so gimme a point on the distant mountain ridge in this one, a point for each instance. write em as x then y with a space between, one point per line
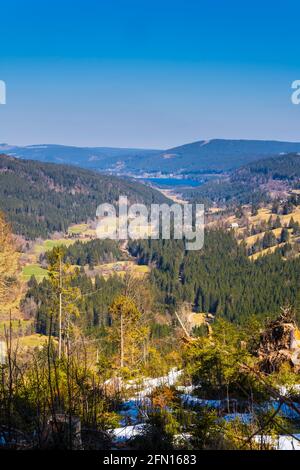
217 155
102 158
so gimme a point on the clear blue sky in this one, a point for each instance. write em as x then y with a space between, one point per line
141 73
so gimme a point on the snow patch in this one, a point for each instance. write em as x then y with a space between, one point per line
281 442
127 432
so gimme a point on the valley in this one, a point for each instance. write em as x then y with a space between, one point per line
149 233
181 309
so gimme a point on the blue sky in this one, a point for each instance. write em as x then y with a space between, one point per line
148 73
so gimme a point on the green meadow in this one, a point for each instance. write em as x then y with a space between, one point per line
34 270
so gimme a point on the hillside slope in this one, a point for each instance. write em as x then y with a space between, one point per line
251 182
284 167
40 198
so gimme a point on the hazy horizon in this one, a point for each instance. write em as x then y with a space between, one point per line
10 144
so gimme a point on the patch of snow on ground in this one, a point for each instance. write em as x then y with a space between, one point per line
191 400
127 432
133 411
147 386
282 442
186 389
244 418
289 390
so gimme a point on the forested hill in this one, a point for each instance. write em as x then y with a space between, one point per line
249 183
40 198
283 167
220 278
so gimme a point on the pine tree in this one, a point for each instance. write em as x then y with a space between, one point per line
277 223
297 305
126 333
65 295
254 209
296 228
275 207
284 236
270 223
269 240
291 223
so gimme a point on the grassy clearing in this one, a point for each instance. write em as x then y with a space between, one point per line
32 341
262 215
265 213
252 239
285 219
266 251
17 326
34 270
47 245
121 268
77 229
82 229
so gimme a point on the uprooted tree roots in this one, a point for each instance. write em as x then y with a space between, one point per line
280 343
